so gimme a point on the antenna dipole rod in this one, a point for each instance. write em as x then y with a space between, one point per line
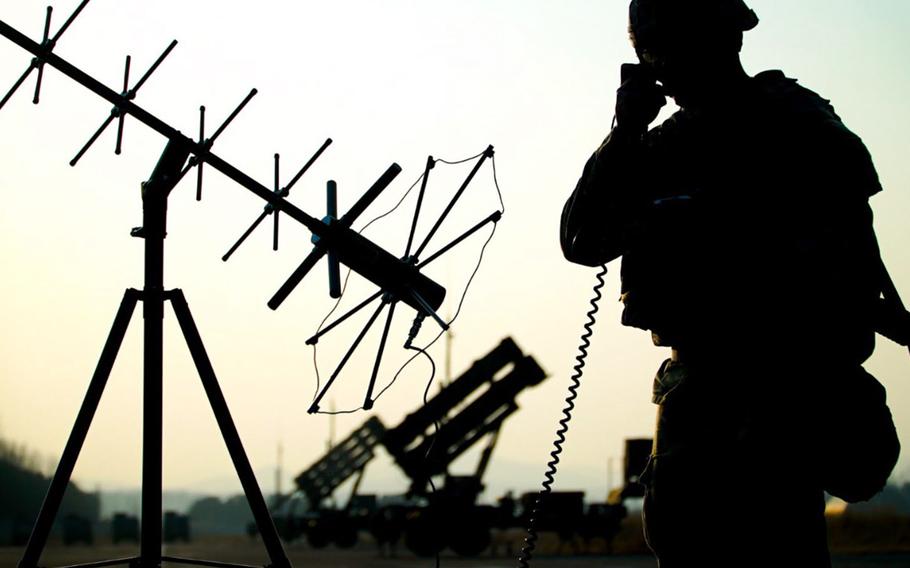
277 213
232 116
44 41
314 408
107 122
47 24
152 69
296 277
486 154
18 83
368 400
370 195
306 166
68 21
315 339
423 188
199 162
331 197
244 236
122 116
37 96
493 218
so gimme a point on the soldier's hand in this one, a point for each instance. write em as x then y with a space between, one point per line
638 99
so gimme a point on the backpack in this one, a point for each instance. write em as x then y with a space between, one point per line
860 446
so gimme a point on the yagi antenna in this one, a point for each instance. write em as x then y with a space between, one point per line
398 280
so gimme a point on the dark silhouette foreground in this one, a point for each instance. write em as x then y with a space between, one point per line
748 248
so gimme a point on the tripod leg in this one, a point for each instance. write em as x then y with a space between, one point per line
61 479
229 432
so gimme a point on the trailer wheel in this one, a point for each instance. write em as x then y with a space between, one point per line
423 536
317 536
470 540
345 535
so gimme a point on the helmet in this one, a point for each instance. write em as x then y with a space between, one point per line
655 21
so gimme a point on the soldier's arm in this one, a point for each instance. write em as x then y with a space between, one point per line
598 215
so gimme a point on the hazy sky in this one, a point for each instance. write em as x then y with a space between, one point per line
389 81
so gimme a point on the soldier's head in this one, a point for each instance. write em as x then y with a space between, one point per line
688 42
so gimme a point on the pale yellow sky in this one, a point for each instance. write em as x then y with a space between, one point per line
389 82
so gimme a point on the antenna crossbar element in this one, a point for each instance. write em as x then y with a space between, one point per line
198 160
44 41
128 94
271 208
44 49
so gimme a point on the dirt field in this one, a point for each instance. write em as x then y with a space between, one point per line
244 551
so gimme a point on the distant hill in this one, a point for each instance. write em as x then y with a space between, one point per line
24 489
893 499
128 500
212 515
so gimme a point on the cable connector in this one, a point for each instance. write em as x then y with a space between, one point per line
415 329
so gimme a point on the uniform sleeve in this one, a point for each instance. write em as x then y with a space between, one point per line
602 209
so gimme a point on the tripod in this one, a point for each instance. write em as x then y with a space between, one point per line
153 296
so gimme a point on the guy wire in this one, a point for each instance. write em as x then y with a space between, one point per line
527 550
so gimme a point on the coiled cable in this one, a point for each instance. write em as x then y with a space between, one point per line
530 544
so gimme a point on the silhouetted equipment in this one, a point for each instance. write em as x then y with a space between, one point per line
635 459
19 530
176 527
892 320
77 530
561 512
155 193
429 520
399 280
565 513
124 527
346 458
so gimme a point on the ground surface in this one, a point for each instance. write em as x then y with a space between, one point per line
242 550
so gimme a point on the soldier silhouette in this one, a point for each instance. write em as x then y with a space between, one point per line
747 247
